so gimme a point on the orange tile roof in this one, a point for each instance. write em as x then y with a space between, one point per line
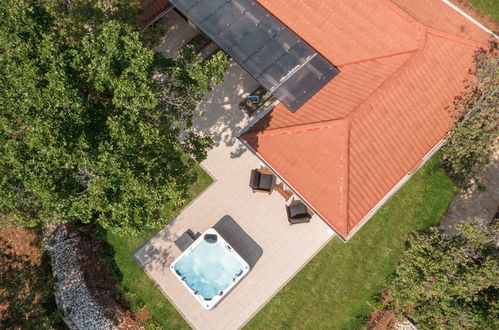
401 64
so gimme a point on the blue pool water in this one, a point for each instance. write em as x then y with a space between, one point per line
209 269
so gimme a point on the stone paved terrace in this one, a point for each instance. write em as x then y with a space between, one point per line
255 224
178 33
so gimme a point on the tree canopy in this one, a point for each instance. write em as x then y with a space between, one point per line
91 117
446 282
472 138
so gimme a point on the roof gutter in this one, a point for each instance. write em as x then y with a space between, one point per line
474 21
399 185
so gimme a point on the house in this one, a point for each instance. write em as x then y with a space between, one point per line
364 90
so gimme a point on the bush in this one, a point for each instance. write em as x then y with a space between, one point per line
136 302
448 282
469 146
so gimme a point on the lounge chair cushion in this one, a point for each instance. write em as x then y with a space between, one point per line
265 182
191 233
255 179
296 210
184 241
300 218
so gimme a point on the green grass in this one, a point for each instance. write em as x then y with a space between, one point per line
136 280
488 7
335 289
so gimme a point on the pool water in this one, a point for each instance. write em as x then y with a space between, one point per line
209 270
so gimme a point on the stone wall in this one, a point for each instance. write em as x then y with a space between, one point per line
405 325
72 295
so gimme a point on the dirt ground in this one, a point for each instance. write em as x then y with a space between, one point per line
26 268
26 243
382 320
23 242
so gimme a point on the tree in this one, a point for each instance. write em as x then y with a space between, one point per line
449 282
91 119
472 138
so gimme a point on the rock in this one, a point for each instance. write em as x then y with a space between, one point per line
71 293
405 325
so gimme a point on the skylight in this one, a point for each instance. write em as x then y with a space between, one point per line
275 56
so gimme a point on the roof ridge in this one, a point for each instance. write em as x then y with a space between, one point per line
429 31
390 78
346 187
298 128
450 36
370 59
405 16
364 104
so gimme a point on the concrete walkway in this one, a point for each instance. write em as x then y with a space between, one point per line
255 224
178 33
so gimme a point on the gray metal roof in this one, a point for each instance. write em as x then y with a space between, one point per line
275 56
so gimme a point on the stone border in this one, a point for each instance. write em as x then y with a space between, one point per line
80 311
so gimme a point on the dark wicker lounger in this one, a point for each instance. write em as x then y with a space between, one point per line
186 239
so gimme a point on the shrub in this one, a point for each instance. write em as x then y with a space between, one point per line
448 282
469 146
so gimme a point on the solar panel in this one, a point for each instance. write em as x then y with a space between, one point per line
275 56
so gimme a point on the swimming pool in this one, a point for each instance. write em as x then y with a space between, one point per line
209 268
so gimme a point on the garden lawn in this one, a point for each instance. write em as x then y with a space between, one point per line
135 279
336 289
488 7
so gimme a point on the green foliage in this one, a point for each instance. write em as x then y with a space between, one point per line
91 118
449 282
468 148
133 279
76 18
136 303
26 293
